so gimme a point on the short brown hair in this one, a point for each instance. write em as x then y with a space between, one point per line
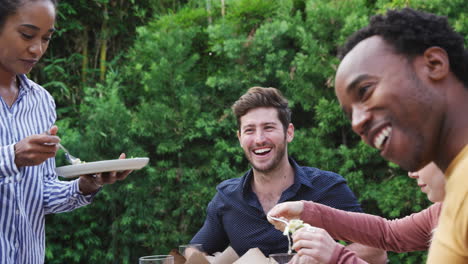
262 97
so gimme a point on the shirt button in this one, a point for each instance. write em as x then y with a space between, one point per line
17 212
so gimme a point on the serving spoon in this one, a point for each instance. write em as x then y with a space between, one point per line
278 219
69 157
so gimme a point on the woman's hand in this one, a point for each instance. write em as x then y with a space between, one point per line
313 245
36 149
288 210
92 182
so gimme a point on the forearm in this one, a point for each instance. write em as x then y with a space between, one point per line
342 255
341 225
369 254
88 185
63 196
400 235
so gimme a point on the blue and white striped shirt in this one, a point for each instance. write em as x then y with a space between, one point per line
27 194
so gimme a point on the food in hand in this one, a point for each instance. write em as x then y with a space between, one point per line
294 225
291 227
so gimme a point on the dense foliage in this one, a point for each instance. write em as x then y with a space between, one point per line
157 78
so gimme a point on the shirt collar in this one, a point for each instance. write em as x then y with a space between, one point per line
25 84
300 176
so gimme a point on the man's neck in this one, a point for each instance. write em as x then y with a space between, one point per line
269 186
454 133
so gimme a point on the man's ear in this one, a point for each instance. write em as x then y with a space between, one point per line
437 62
290 132
238 137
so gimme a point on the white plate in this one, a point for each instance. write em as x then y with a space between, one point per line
101 166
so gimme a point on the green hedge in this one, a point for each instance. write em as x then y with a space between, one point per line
169 96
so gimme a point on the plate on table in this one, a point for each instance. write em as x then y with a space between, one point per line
71 171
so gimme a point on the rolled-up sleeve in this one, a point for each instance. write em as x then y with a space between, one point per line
61 196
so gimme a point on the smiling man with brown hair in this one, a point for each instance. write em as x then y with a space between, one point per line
236 216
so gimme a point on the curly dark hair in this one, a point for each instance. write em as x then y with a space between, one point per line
411 32
9 8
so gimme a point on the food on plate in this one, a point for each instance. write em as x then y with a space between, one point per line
77 161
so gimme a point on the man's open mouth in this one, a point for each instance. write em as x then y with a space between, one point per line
262 151
382 137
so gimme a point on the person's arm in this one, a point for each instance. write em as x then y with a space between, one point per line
366 253
212 235
411 233
343 255
315 245
61 196
90 184
341 197
30 151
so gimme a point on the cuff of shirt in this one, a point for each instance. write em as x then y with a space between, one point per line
336 253
83 199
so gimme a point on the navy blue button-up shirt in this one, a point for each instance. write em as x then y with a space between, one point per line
235 216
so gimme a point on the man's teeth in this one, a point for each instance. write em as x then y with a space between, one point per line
380 138
263 150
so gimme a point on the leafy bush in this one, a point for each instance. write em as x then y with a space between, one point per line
168 98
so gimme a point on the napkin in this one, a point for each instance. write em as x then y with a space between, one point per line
197 258
227 257
254 255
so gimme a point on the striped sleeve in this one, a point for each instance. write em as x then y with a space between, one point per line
61 196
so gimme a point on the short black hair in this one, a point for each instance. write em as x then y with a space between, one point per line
10 7
410 32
